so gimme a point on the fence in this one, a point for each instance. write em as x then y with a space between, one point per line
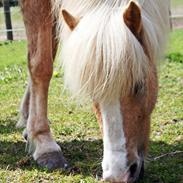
12 27
177 21
11 2
11 23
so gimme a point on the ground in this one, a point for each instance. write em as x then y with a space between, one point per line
75 127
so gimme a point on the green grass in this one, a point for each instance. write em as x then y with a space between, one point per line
176 3
75 127
12 53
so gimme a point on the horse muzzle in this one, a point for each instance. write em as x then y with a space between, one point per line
134 173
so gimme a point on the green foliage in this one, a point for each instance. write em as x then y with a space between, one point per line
76 129
12 53
175 42
175 57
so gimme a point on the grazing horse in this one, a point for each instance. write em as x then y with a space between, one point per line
110 52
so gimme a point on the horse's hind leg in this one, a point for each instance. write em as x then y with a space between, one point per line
39 28
24 108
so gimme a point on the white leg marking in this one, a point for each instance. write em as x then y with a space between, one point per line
114 158
42 143
45 144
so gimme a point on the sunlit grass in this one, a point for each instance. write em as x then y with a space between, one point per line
76 129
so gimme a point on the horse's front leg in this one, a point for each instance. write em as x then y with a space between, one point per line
39 28
47 153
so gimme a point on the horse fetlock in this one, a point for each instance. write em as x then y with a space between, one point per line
46 152
43 143
36 128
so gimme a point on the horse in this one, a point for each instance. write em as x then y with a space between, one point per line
113 48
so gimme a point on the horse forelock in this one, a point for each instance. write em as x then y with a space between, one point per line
102 59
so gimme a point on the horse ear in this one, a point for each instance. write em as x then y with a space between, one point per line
70 20
132 18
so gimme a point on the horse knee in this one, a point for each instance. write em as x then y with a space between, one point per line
40 68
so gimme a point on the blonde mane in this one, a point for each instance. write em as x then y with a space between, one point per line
102 59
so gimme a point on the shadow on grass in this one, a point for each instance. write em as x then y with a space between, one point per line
7 126
85 159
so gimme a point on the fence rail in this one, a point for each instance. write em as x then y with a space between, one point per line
12 30
176 16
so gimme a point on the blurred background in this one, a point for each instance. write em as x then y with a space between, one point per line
11 19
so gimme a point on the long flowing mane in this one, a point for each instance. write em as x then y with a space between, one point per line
102 59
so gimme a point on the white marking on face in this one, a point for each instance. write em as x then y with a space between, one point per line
114 162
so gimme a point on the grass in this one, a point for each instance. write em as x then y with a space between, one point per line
75 127
176 3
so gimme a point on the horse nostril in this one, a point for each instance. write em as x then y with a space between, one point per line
141 175
133 169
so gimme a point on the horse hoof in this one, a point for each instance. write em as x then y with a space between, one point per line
52 160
